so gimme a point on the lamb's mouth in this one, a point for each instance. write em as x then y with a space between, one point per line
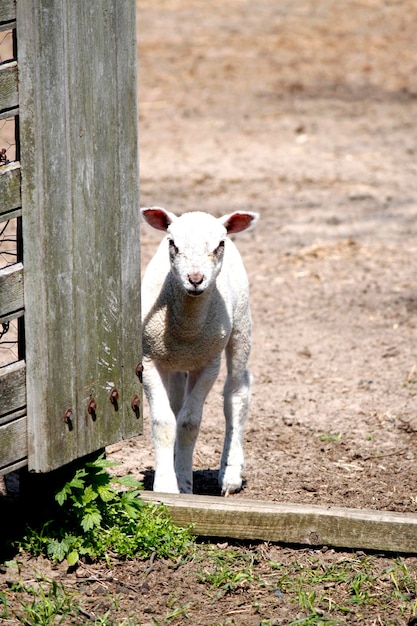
195 292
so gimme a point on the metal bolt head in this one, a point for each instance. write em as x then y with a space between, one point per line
92 409
135 404
138 371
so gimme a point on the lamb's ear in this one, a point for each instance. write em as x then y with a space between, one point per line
157 217
238 221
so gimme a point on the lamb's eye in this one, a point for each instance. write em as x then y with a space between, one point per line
219 247
172 247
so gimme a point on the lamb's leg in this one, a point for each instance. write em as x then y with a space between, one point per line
177 382
163 424
188 422
236 403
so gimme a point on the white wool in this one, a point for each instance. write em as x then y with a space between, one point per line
195 304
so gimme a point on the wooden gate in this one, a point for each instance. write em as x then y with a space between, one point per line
76 189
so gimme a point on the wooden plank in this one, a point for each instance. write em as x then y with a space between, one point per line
80 223
12 467
9 92
7 113
12 390
11 291
13 443
10 196
292 523
7 14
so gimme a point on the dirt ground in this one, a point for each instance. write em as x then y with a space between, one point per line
304 111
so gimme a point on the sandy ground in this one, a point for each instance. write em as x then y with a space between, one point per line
305 112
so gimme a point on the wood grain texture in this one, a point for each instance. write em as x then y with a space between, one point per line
80 198
9 93
10 195
292 523
12 391
13 443
11 292
7 13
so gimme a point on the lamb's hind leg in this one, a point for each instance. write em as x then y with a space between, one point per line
236 403
199 384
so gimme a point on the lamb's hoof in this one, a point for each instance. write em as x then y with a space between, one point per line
164 485
230 482
185 486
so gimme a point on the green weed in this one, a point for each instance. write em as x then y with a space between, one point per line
98 521
331 437
231 570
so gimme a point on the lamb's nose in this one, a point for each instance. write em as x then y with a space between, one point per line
196 278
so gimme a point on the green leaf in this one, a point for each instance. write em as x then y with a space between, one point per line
106 493
101 462
62 495
127 481
89 495
57 549
72 557
91 519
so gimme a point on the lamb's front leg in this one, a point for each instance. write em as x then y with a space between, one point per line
199 384
236 404
163 425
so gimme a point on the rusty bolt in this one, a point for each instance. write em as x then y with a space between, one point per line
92 408
138 371
136 405
68 416
114 396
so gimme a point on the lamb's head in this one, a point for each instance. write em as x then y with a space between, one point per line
196 243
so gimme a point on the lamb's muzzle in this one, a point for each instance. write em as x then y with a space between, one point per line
184 337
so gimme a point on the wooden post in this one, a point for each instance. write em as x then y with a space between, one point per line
80 201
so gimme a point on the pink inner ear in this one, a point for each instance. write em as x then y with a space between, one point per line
157 218
238 222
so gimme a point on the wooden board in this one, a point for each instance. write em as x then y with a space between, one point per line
80 212
9 97
13 444
12 391
10 197
292 523
7 14
11 292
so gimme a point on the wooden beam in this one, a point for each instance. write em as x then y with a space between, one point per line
13 443
13 466
12 390
10 196
7 14
11 292
9 92
292 523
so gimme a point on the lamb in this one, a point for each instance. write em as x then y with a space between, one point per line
195 304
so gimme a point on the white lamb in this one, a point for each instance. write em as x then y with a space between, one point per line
195 303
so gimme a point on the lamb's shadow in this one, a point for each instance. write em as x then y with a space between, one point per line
205 482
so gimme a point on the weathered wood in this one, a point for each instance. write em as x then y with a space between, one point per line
80 198
10 197
13 443
7 14
12 391
11 292
12 467
292 523
9 93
